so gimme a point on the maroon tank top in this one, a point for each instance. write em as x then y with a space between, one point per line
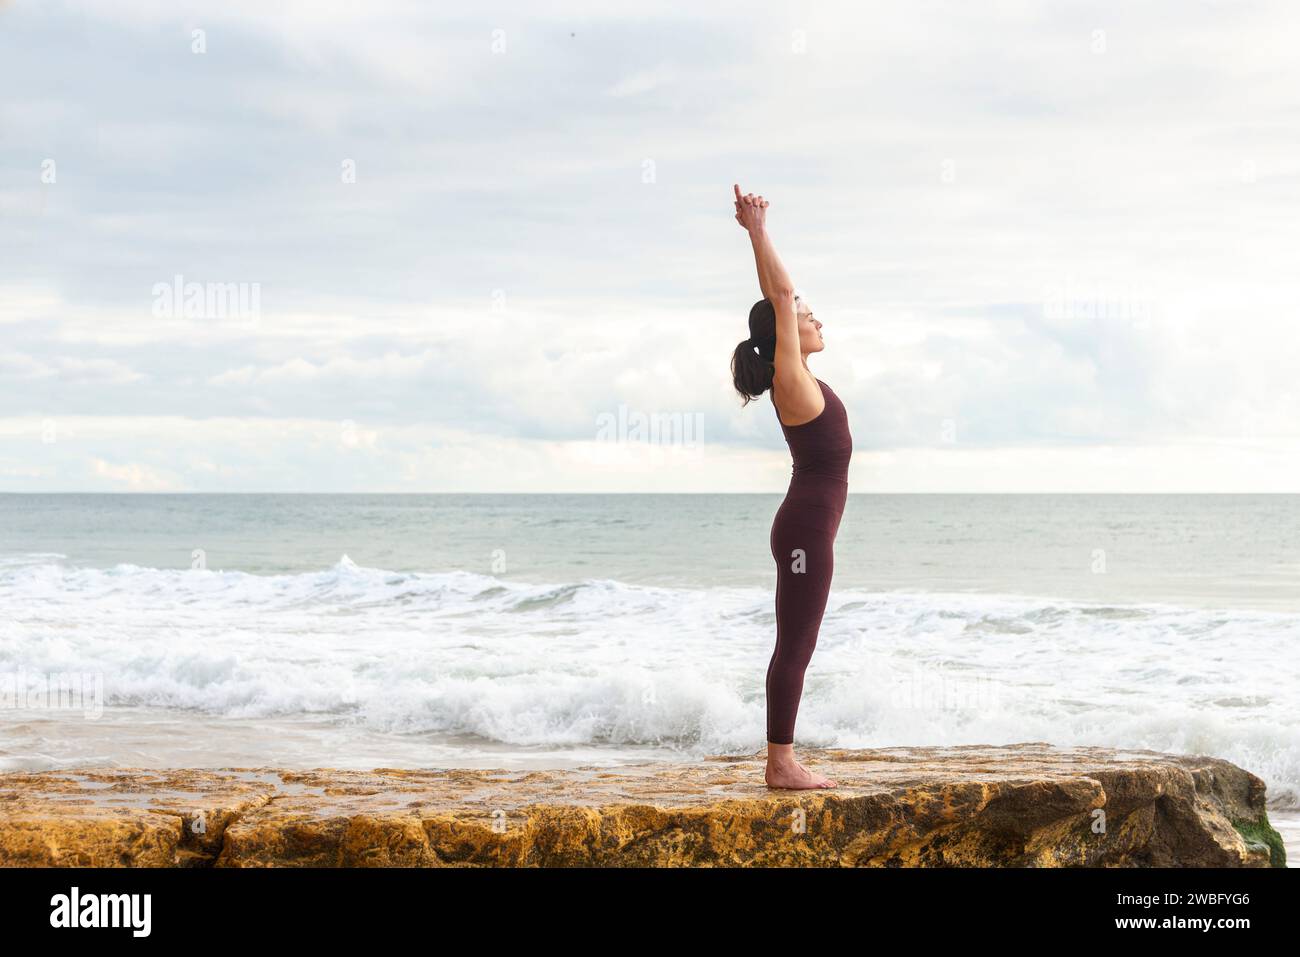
820 450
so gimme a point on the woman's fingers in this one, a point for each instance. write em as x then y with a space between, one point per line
749 199
750 207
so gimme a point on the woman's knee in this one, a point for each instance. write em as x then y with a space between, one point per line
794 653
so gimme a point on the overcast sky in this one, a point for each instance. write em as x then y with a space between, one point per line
1054 245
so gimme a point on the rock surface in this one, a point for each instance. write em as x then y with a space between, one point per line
1021 805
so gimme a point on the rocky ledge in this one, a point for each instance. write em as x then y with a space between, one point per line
1022 805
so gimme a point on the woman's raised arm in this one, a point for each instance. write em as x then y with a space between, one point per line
773 280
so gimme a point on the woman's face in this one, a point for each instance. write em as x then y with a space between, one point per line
810 334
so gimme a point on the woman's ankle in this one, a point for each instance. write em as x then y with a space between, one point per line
780 753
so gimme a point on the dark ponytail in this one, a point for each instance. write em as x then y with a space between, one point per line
751 363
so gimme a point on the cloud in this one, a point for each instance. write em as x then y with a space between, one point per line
643 81
135 477
539 233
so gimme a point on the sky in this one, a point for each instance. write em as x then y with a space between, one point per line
491 247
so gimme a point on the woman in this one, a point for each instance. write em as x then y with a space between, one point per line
782 334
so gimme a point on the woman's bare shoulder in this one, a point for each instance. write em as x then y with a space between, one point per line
802 399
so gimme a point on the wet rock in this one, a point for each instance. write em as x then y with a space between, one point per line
1022 805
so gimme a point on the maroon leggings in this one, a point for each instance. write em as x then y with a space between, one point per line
803 540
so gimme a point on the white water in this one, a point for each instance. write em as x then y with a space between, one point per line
353 666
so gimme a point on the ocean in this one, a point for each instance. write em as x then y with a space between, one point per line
556 630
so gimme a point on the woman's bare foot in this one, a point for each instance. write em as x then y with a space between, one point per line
783 771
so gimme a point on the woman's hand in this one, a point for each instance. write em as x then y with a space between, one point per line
751 210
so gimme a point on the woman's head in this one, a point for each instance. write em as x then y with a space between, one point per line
810 330
752 362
